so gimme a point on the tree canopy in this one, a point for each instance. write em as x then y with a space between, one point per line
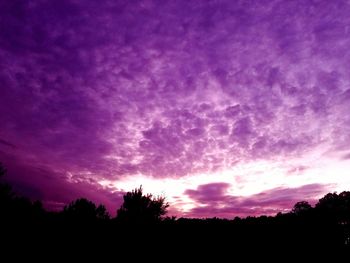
84 210
140 208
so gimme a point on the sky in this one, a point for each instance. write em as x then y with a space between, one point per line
226 108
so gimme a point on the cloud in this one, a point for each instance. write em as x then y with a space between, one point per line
7 144
119 88
346 156
297 170
57 188
209 192
213 200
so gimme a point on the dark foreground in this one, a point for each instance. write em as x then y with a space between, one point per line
181 240
141 230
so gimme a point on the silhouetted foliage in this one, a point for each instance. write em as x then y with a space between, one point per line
101 213
16 208
6 193
334 207
301 208
140 208
83 210
328 224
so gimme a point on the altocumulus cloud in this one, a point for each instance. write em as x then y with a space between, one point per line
100 90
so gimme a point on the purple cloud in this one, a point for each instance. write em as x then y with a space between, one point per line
346 156
212 200
56 188
8 144
209 192
297 170
110 89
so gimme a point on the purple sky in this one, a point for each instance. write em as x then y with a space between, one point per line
225 107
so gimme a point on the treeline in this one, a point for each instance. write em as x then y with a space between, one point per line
328 222
136 208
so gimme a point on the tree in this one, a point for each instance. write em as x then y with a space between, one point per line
329 202
345 206
84 210
6 196
335 207
302 207
328 207
140 208
101 213
6 193
17 208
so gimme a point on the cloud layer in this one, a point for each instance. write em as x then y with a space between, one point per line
102 90
212 199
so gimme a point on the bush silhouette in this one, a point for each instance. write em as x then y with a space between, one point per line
140 208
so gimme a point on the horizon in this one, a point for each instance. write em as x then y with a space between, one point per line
226 108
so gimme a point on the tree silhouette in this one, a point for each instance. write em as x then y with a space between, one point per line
101 213
7 204
140 208
17 208
301 208
83 210
6 193
335 207
344 207
328 224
